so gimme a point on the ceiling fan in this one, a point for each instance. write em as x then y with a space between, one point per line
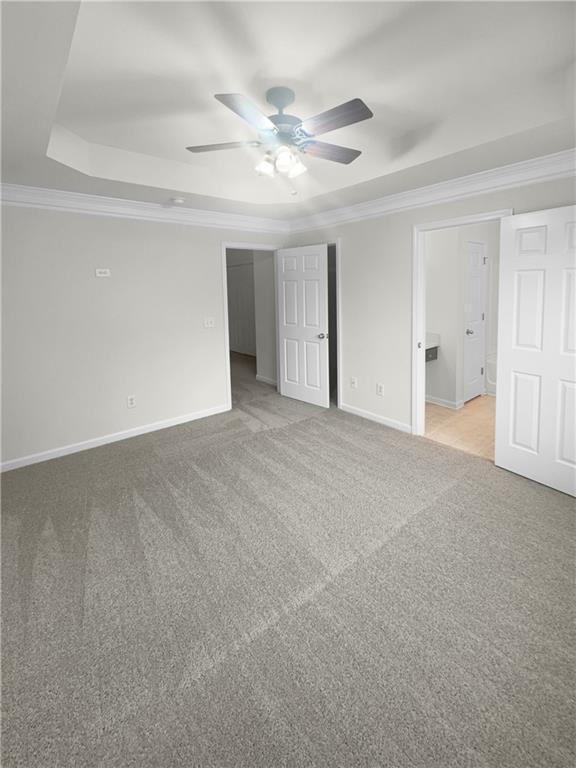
284 136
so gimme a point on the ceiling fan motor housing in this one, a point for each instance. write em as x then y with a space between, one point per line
286 125
280 97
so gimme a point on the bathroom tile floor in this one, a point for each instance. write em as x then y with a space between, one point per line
470 429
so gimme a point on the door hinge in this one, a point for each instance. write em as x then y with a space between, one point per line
484 259
482 371
482 315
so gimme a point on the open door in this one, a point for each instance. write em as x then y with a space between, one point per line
536 381
302 322
474 319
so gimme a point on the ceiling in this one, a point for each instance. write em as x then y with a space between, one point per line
104 97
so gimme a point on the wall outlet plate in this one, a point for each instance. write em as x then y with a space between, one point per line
131 401
208 322
102 272
353 383
380 389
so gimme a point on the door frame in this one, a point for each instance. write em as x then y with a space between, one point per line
418 378
225 244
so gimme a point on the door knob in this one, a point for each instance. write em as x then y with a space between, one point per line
469 332
322 335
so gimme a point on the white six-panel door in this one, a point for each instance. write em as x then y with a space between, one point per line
302 321
536 384
474 319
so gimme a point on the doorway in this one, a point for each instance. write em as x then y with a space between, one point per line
250 273
251 322
456 308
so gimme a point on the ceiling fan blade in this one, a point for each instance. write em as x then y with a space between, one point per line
247 110
346 114
330 152
227 145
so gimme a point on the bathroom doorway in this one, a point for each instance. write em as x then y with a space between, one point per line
460 264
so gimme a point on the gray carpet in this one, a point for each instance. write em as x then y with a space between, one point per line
285 586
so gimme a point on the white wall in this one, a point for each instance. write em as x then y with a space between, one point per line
265 309
444 311
241 318
75 346
376 292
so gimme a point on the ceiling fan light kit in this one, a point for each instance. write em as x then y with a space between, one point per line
286 136
297 168
266 167
283 161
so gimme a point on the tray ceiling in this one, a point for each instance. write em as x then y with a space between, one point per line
441 79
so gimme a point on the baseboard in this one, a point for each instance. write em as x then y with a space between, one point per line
266 380
85 445
454 405
393 423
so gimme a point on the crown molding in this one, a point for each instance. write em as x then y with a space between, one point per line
540 169
559 165
77 202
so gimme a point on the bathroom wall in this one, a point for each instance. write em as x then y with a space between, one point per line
444 315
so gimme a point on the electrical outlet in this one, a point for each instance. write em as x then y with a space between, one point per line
131 401
379 389
208 322
353 383
102 272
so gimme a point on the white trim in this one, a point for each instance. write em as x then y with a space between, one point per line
393 423
242 246
339 355
76 202
559 165
418 393
65 450
227 372
454 405
418 385
460 221
266 380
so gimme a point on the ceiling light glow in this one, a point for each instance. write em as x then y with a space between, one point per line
266 167
284 160
297 169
